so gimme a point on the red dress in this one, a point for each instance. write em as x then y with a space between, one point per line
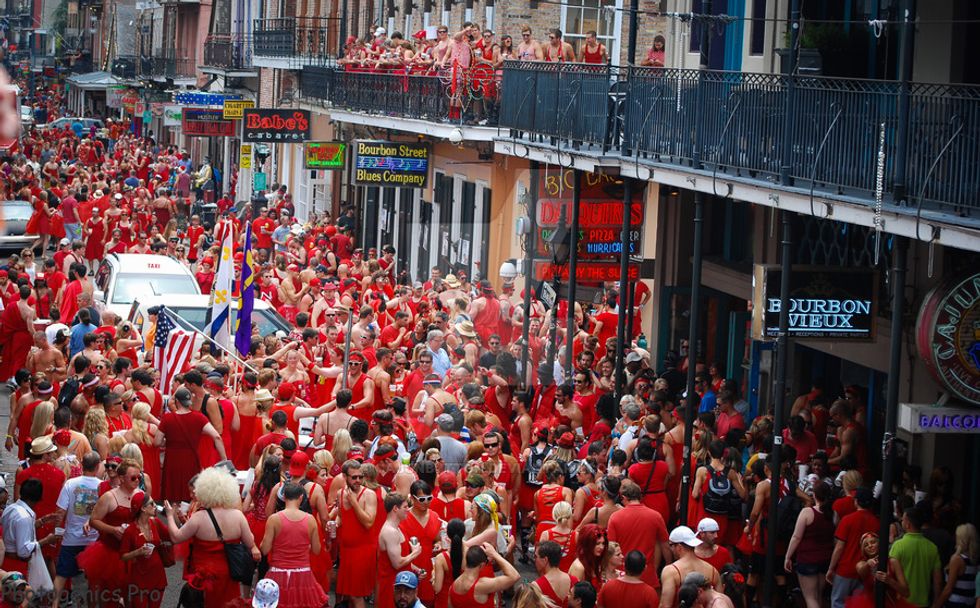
468 599
289 565
101 560
181 462
385 594
549 592
359 548
95 245
427 535
448 511
151 463
145 573
569 547
249 431
40 222
207 453
206 568
546 500
17 339
652 479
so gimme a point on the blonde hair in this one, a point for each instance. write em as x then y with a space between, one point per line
851 480
116 443
43 414
530 596
966 541
131 451
141 428
95 423
323 459
342 444
215 488
370 476
562 511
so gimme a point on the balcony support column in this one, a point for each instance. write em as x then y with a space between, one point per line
634 30
571 327
789 103
529 247
624 317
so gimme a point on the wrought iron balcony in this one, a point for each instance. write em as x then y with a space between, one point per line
733 123
297 40
431 97
228 52
167 65
125 66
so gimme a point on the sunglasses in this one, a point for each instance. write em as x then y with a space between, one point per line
358 363
133 478
424 362
491 446
355 477
111 467
423 499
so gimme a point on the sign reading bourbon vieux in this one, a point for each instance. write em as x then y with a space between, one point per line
947 336
275 125
837 303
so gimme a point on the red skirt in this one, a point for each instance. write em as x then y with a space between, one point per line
298 588
207 570
12 563
358 569
103 566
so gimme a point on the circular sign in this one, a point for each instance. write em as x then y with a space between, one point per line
948 336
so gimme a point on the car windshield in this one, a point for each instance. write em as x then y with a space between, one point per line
16 211
131 286
267 321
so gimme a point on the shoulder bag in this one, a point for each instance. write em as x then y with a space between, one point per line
241 566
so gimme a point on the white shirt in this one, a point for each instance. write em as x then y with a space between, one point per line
18 529
51 331
78 497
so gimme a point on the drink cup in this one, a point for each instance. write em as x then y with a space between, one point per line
59 531
149 547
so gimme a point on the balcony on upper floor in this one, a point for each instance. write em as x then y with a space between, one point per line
728 129
293 42
424 101
228 55
168 65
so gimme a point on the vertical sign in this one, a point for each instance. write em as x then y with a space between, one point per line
245 156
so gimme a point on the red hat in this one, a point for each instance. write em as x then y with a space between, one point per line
292 268
62 438
446 479
239 257
287 390
208 260
419 35
567 440
315 282
331 230
298 464
136 503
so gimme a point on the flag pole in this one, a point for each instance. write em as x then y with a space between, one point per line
350 326
186 325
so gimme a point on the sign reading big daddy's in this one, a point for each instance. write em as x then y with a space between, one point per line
948 336
275 125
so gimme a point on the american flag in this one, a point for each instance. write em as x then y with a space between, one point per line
172 349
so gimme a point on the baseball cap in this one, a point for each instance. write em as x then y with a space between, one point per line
64 242
407 579
682 535
298 464
446 479
708 525
697 579
633 358
445 422
266 594
380 31
287 391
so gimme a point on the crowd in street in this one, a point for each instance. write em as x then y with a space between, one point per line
410 440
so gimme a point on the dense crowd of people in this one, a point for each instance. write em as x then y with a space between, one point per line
396 445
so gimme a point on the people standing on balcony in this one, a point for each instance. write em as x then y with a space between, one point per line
558 50
593 51
378 44
507 51
529 49
656 55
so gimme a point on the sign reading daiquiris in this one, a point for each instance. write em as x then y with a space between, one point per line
948 336
390 163
836 303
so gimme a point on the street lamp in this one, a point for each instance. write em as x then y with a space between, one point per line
508 270
560 242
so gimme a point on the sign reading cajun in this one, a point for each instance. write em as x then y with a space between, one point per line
948 336
206 122
285 125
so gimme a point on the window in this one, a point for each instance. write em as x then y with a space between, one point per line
130 286
581 16
757 40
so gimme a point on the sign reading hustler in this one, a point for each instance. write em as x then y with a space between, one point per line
391 163
823 303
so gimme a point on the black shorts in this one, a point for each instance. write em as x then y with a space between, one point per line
757 565
67 564
812 569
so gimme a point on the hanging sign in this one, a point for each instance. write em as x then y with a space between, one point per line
245 156
234 108
391 163
586 271
196 98
286 125
325 154
927 418
825 303
947 336
206 122
172 115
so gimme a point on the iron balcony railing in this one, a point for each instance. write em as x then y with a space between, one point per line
455 97
125 66
167 64
227 51
312 40
734 123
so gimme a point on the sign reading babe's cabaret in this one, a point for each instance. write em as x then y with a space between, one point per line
205 122
391 163
947 335
328 155
271 125
824 303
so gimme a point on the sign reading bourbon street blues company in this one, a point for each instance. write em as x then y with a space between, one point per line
824 303
947 336
391 163
276 125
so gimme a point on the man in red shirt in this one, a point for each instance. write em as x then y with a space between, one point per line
843 574
796 435
729 418
629 590
262 228
342 245
709 550
43 452
637 527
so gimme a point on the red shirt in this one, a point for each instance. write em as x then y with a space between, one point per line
622 594
844 506
850 530
727 422
638 527
263 241
805 446
266 440
719 559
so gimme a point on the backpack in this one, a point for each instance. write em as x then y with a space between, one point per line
533 465
453 410
68 392
717 497
787 511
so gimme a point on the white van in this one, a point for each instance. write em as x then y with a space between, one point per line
123 277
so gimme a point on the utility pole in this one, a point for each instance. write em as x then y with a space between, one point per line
572 327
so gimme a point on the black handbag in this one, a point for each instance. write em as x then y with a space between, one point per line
241 566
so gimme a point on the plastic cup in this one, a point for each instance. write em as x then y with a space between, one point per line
59 531
151 548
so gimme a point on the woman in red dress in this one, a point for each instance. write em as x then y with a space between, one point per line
291 536
94 237
142 434
112 515
651 475
551 493
206 568
182 431
139 550
268 473
40 222
448 565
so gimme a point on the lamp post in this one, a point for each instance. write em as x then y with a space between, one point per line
560 243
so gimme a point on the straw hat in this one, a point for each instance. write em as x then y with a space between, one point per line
465 328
